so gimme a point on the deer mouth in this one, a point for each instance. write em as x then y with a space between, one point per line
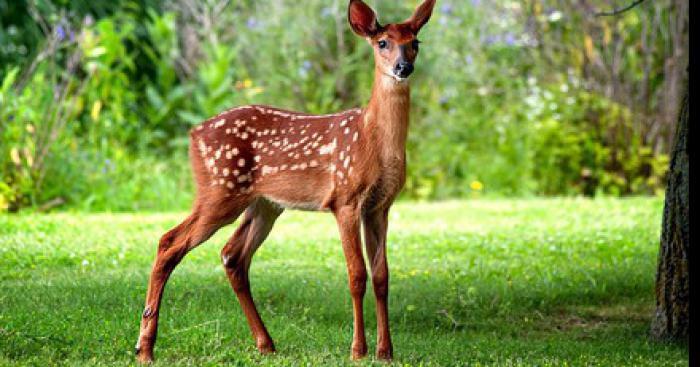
397 78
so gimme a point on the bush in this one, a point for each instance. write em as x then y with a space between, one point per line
508 100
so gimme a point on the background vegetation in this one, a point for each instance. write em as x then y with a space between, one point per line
511 98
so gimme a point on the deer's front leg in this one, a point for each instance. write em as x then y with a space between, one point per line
348 218
375 226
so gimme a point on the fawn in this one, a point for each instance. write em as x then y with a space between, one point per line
261 160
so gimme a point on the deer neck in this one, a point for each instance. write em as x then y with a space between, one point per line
387 115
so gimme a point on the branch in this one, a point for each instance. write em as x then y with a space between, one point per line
619 11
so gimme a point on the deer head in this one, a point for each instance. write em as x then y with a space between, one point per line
395 45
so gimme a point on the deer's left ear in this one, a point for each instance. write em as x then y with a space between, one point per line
421 16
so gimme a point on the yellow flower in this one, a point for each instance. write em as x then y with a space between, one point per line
247 83
476 186
14 155
254 91
96 108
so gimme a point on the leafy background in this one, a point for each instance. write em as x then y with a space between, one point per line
511 98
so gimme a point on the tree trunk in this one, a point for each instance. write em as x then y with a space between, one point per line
672 296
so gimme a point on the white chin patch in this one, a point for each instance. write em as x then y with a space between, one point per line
399 79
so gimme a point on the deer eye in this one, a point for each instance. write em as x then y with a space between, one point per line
383 44
416 44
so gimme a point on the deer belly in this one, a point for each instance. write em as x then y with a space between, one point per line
297 191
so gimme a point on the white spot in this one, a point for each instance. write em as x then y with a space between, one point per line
202 147
328 148
266 170
241 162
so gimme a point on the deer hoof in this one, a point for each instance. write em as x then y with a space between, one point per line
266 347
359 352
143 358
385 355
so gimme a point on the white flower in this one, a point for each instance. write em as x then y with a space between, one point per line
555 16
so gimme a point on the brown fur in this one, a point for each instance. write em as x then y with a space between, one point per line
260 160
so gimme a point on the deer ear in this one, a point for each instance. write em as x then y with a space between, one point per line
362 19
421 16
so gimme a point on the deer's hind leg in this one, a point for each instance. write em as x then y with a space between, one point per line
236 257
204 221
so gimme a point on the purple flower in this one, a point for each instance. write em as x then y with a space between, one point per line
72 36
443 100
447 8
510 39
476 2
469 59
489 40
60 32
252 23
108 166
305 67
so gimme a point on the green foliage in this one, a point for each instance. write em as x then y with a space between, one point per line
499 109
472 283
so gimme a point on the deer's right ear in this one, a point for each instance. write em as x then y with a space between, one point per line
362 19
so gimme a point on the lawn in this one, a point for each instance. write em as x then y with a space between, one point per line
481 282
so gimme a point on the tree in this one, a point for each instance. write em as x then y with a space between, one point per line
671 319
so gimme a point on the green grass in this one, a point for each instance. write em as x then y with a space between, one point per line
502 282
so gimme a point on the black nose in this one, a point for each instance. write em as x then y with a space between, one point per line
403 69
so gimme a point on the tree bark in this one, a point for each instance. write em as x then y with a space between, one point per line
672 295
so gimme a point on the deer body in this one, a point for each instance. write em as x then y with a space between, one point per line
260 160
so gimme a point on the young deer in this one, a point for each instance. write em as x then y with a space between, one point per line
261 160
